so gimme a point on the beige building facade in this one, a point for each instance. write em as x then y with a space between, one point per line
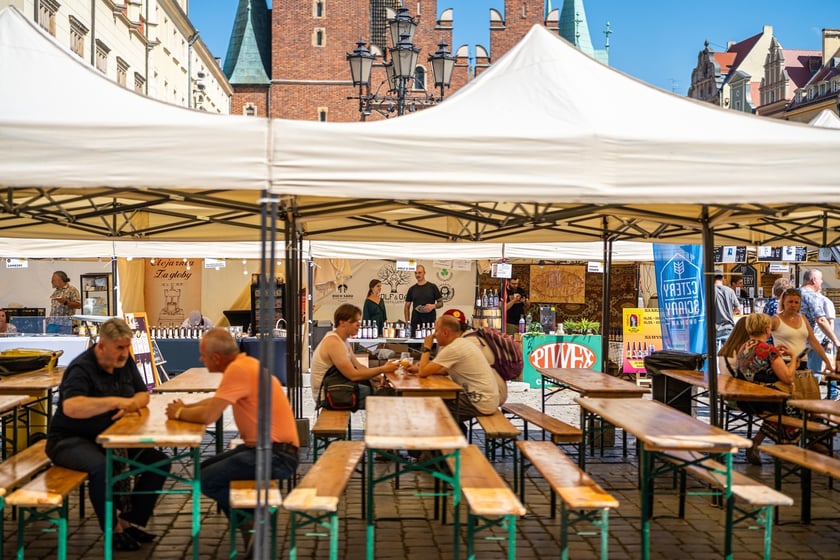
148 46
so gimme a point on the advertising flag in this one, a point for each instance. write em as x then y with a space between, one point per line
680 287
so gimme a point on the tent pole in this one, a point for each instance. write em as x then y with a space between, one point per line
266 283
711 333
605 302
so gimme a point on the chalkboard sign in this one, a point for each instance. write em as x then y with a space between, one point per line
730 254
786 253
141 348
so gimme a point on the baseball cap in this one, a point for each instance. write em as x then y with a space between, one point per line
458 314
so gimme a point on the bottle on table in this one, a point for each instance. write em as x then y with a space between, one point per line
521 324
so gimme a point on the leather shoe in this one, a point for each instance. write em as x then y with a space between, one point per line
139 534
124 543
753 455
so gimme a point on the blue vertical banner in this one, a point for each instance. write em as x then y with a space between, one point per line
680 289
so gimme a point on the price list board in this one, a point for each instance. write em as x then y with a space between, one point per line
275 298
142 349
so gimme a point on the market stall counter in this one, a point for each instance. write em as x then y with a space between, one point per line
181 354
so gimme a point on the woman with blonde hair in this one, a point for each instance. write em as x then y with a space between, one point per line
762 363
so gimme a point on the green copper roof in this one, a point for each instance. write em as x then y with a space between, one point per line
248 58
575 29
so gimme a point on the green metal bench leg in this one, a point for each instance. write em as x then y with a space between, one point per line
605 533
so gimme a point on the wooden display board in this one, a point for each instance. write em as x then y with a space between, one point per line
141 348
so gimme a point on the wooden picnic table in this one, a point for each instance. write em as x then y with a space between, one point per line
197 380
587 383
9 410
412 385
659 429
39 387
151 428
415 424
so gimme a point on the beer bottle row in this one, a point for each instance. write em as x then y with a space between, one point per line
637 351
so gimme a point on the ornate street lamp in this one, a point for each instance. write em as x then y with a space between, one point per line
399 71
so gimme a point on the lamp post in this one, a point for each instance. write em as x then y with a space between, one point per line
399 71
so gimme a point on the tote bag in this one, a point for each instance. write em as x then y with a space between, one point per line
804 386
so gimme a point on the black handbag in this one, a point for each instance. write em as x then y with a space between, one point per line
337 392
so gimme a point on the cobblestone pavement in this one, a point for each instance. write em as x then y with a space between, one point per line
412 531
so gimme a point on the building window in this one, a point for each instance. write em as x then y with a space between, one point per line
822 89
322 114
319 37
122 71
318 9
78 32
102 56
46 15
139 83
249 110
419 78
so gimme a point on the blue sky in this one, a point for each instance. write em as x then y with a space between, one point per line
654 40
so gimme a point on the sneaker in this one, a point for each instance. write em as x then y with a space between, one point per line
753 455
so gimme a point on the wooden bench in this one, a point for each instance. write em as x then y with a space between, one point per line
582 499
315 498
559 430
243 496
761 499
805 461
330 426
499 433
48 492
17 469
490 500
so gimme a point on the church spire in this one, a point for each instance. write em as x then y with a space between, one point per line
248 59
575 29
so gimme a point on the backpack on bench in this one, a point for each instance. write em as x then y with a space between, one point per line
507 354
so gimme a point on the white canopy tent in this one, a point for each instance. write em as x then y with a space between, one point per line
64 124
546 123
74 249
825 119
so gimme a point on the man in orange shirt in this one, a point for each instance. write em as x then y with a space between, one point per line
239 388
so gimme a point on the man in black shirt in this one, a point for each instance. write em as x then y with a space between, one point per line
421 301
514 305
99 387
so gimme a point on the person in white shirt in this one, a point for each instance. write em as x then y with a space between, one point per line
197 320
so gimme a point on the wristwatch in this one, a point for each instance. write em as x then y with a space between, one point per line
424 349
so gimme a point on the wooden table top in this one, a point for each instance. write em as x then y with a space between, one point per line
8 402
31 383
421 423
433 386
659 426
590 383
729 388
193 380
818 406
151 428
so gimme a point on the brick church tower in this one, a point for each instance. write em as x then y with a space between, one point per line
289 62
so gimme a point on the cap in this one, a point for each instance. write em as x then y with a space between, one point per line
458 314
718 274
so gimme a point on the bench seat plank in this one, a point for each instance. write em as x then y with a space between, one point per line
47 489
812 460
574 486
331 423
496 425
23 465
751 491
487 494
243 494
560 431
323 485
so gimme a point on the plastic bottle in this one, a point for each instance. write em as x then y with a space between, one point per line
521 324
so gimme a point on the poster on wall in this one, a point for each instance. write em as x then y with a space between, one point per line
141 348
558 284
172 290
349 283
642 336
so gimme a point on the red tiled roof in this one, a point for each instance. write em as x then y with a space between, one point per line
724 60
742 49
798 65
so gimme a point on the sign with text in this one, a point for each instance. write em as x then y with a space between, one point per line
559 351
730 254
642 336
172 290
141 348
787 253
682 311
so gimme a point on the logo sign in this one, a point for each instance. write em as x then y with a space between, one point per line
501 270
17 263
407 265
596 267
562 355
214 263
779 268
